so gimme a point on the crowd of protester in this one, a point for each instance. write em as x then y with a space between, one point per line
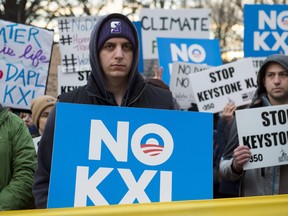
114 80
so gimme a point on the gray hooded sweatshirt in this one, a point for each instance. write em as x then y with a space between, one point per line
262 181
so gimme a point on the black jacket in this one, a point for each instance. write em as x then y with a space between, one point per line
138 94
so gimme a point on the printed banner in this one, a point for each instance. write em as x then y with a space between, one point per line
215 87
70 81
118 155
74 38
180 85
265 30
25 54
197 51
264 131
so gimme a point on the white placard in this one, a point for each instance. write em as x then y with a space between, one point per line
215 87
74 38
265 131
180 83
69 81
25 56
180 23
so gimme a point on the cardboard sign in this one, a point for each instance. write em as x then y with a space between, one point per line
180 85
115 155
264 131
69 81
74 38
265 30
215 87
197 51
25 53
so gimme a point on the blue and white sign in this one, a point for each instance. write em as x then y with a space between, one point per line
197 51
265 30
172 23
141 63
116 155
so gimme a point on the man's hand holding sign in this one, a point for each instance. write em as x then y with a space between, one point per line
266 137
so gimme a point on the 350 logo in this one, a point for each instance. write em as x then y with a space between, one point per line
208 106
256 158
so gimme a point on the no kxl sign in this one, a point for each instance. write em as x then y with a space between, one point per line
116 155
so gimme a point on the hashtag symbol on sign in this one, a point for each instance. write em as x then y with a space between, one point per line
64 25
69 63
68 39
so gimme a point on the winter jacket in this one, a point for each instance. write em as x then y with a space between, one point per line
17 162
138 94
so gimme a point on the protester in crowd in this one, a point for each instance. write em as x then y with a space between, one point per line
114 81
272 90
27 118
226 117
41 107
17 163
222 187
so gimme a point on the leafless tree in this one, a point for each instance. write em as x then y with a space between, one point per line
227 15
29 11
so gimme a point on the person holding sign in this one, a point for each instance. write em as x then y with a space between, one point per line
17 163
272 90
114 81
41 107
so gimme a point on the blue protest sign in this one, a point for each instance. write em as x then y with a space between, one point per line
198 51
141 62
265 30
116 155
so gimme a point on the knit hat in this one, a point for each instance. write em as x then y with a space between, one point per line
115 27
277 58
38 105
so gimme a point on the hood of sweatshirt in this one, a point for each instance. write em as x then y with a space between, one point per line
261 90
95 84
